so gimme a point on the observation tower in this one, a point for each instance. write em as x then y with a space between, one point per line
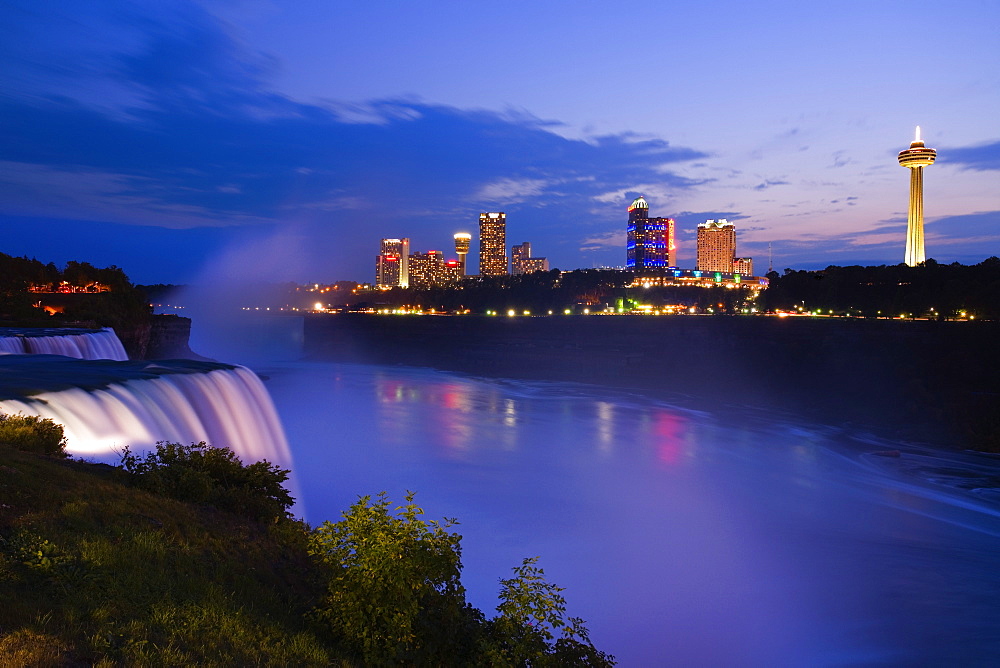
915 159
462 242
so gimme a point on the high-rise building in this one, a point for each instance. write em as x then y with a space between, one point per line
462 242
916 158
521 261
392 264
650 243
716 246
493 244
430 269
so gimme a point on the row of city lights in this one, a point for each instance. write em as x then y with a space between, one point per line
641 309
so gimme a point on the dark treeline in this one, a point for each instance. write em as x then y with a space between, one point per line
551 290
36 294
929 290
18 274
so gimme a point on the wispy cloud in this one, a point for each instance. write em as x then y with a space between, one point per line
511 191
614 239
981 158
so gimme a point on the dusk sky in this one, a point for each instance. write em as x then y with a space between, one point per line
283 140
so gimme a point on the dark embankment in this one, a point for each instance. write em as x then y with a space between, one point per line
935 381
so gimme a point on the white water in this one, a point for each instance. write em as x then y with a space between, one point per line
224 407
103 344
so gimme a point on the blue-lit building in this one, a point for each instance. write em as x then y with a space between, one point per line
650 240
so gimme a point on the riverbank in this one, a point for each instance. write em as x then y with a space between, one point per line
921 380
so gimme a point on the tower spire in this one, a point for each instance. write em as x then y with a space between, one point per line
915 159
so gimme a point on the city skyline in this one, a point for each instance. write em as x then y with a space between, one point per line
209 138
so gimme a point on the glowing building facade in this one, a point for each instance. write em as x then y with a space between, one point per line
915 159
521 261
493 244
462 242
716 246
743 266
430 269
392 264
650 243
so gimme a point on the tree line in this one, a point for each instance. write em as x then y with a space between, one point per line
931 289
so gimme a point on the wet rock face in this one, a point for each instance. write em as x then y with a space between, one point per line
169 338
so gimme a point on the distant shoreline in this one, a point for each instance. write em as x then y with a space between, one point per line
930 381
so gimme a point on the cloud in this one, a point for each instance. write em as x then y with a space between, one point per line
985 157
508 190
189 134
614 240
764 185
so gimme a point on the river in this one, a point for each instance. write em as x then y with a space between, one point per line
712 537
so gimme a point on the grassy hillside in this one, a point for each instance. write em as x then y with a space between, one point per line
96 571
109 566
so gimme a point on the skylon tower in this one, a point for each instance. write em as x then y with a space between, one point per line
915 159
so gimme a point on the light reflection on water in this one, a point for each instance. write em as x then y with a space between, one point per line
680 537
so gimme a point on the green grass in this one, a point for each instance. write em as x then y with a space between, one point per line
94 571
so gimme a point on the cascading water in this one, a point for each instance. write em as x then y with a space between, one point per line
105 406
12 345
79 343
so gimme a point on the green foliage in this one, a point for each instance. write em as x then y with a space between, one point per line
33 433
201 473
96 572
394 597
394 593
532 611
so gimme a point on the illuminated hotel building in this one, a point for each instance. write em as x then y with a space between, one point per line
430 269
521 261
462 242
916 158
716 246
392 264
650 243
493 244
743 266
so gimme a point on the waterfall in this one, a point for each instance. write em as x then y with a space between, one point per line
104 406
12 345
78 343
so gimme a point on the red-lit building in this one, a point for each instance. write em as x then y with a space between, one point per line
392 264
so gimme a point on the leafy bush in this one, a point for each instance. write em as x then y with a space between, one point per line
205 474
531 611
33 433
394 597
394 593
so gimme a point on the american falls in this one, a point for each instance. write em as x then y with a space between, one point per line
84 344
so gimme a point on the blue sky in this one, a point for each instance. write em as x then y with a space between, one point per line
282 140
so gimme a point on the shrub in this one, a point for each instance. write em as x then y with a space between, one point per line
531 611
33 433
394 594
205 474
394 597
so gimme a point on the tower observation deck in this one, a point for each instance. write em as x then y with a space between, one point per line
915 159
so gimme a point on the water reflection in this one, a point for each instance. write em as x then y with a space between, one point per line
705 540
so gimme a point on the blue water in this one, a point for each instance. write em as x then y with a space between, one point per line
715 538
